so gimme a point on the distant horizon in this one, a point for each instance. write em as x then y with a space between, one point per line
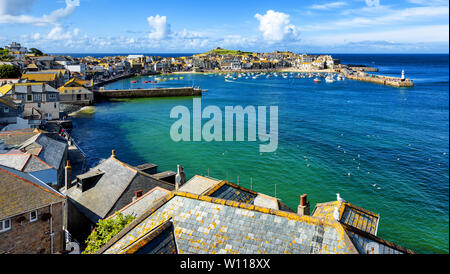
313 53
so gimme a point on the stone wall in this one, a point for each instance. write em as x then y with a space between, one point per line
157 92
34 238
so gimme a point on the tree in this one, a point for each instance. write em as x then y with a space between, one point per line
9 71
36 52
4 55
105 230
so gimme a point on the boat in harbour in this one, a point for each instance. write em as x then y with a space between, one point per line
330 79
317 80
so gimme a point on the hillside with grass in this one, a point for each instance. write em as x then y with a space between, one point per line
220 51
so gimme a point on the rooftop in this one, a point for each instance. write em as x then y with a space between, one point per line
20 192
100 199
201 224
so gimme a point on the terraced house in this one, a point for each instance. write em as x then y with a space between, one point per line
41 101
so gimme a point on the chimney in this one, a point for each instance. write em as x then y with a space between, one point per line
180 178
303 208
43 87
68 175
137 194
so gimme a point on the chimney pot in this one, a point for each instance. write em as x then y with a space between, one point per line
303 207
303 199
68 176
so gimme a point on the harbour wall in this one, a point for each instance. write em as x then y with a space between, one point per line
145 93
383 80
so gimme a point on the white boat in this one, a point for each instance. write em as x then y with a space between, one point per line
317 80
330 79
340 77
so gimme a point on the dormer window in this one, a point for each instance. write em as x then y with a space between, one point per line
88 180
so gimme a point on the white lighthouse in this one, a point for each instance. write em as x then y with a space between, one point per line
403 74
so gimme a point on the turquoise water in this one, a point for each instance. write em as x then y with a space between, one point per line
382 148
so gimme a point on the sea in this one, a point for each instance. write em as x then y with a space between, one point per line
381 148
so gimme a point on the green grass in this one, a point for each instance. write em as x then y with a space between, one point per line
226 51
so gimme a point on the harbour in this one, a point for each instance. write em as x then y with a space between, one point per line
381 145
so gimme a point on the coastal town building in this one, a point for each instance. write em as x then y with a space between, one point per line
31 215
75 92
54 78
40 154
10 111
103 190
41 101
226 219
16 50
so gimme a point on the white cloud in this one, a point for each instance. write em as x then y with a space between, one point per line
388 17
10 12
59 33
328 6
373 3
161 29
276 27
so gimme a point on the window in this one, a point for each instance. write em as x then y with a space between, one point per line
33 216
29 97
38 97
39 105
6 110
5 225
54 105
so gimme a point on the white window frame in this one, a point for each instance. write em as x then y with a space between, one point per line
6 110
3 228
32 220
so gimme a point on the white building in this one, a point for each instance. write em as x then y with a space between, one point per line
236 64
41 101
78 68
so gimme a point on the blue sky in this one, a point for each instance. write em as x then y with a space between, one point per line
326 26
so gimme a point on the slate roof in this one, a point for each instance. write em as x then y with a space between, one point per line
101 200
20 192
17 137
21 161
350 215
40 77
160 240
210 225
49 150
144 202
22 88
203 224
199 184
229 191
